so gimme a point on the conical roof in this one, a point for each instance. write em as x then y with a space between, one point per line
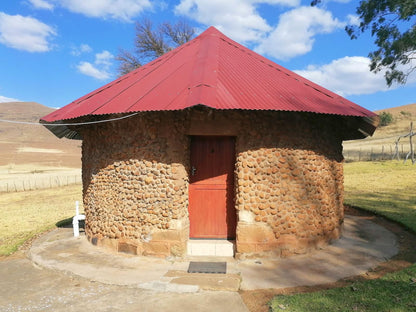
214 71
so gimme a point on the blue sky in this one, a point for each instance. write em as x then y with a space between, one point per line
55 51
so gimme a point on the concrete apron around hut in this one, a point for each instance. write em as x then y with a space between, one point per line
213 183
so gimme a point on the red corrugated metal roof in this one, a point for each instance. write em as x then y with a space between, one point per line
214 71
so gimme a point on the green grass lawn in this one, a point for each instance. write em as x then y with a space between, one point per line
388 189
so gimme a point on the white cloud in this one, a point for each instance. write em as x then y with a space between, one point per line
100 69
25 33
82 48
125 10
4 99
349 75
238 19
89 69
353 20
295 32
103 58
42 4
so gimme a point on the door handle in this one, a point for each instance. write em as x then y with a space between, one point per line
193 171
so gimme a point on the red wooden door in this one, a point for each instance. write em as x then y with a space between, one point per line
211 191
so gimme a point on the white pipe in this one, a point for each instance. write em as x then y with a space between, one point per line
76 219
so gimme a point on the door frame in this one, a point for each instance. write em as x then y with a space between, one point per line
230 194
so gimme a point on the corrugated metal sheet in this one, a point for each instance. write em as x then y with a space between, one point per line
214 71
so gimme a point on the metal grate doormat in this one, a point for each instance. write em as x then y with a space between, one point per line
207 267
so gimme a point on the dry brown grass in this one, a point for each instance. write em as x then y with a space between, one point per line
33 144
24 214
384 136
34 176
32 156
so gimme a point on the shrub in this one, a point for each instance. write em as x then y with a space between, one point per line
385 119
407 114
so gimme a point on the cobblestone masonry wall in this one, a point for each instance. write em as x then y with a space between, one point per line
289 180
135 185
289 177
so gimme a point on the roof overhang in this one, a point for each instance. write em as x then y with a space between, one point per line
214 71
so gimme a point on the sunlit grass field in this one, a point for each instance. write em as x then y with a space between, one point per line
388 189
25 214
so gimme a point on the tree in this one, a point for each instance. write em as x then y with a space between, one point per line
151 44
393 24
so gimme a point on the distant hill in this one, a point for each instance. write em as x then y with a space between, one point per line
384 137
402 116
30 144
33 144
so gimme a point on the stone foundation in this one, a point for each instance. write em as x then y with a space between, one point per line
160 243
288 180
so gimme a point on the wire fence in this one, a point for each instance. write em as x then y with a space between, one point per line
38 181
385 152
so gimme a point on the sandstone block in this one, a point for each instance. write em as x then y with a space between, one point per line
254 233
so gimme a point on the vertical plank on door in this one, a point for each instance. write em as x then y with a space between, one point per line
211 191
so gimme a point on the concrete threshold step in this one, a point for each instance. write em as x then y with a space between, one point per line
211 247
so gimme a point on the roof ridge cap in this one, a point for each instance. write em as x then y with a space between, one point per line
205 73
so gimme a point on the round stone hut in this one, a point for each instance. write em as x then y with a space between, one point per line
212 149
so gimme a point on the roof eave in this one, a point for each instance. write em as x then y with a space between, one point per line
359 127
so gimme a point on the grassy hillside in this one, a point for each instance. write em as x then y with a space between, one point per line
383 139
33 144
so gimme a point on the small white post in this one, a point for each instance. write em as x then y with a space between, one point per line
75 225
76 219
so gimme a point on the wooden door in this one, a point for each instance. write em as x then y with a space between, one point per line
211 191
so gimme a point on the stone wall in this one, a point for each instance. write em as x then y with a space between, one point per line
135 184
289 178
288 174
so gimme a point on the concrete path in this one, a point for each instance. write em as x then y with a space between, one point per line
64 273
26 288
363 246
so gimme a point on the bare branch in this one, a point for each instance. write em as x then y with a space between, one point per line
179 33
411 153
151 43
128 62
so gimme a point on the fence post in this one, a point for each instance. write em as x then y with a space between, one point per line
412 153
